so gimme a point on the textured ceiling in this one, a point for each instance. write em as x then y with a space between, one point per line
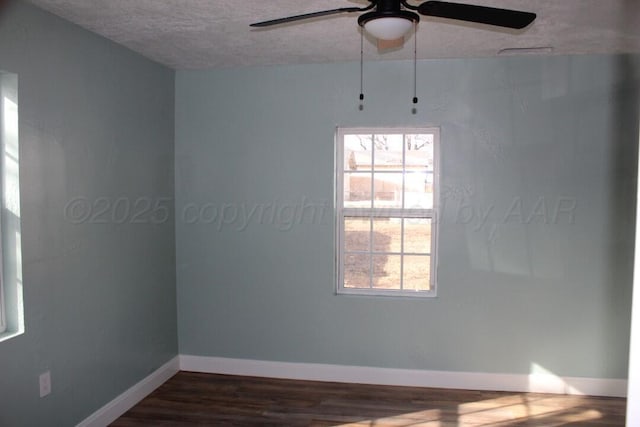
189 34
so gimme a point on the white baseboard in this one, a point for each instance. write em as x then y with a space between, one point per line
536 383
121 404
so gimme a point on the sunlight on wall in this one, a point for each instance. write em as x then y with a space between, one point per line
544 381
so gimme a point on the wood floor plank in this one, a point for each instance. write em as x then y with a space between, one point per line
196 399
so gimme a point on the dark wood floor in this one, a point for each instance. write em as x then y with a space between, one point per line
193 399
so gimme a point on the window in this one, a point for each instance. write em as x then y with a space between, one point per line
11 304
386 199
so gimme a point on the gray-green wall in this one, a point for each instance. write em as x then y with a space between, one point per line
536 229
96 121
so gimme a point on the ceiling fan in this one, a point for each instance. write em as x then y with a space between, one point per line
392 19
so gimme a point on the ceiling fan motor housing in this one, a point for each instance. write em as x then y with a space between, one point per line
387 9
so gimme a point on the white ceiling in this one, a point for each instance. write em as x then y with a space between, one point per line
190 34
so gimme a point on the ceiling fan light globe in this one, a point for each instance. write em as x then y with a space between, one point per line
388 27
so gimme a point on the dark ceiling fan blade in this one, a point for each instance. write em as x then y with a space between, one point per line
481 14
306 16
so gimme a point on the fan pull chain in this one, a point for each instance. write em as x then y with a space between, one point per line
415 62
361 66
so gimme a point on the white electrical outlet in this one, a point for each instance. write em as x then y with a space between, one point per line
45 384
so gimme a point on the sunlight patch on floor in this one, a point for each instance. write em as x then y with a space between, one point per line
430 418
503 414
499 412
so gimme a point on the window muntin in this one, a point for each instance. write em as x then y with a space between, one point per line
386 210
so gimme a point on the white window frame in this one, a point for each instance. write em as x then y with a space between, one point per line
3 315
11 288
3 312
373 212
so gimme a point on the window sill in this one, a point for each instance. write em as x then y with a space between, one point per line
7 335
388 293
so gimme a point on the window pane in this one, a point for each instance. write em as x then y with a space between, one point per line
416 271
417 235
386 271
357 232
387 234
388 153
357 190
418 190
387 190
357 271
419 153
357 152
